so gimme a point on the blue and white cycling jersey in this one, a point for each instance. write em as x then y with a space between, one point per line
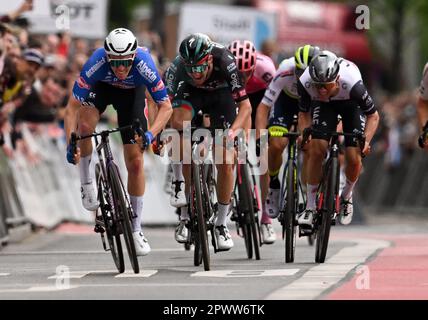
143 72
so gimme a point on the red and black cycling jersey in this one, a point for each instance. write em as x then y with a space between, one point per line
224 75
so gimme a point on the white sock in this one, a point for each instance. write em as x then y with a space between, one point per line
177 171
184 213
84 164
311 193
223 210
137 207
347 189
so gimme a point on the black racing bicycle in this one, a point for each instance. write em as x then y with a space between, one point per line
246 205
290 204
114 215
328 201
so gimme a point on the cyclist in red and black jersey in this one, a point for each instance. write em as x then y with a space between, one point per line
204 77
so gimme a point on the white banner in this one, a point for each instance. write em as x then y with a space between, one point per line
227 23
82 18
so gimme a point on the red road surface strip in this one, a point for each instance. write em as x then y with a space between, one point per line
74 228
398 272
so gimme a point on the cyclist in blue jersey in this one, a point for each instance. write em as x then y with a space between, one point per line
117 74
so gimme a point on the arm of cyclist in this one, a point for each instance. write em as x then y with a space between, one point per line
359 93
70 124
243 119
304 117
422 109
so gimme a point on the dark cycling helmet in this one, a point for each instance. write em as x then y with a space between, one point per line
304 55
195 47
245 54
324 67
120 42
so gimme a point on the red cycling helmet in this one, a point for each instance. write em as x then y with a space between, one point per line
245 54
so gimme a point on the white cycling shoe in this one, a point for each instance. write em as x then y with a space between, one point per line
224 240
142 247
89 197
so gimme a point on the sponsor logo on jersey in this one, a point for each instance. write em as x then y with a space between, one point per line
241 93
159 86
82 83
344 86
95 67
307 84
272 92
231 67
267 77
146 72
234 82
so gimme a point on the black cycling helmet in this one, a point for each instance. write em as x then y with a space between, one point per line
304 55
194 48
324 67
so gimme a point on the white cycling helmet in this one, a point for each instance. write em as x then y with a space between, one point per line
120 42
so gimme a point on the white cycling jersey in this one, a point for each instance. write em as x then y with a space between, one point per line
284 79
351 87
423 89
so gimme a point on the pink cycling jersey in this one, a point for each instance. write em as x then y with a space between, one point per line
263 74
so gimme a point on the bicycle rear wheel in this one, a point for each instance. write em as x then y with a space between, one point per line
328 208
124 213
201 246
290 212
113 237
246 195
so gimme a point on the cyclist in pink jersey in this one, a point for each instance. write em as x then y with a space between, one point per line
257 71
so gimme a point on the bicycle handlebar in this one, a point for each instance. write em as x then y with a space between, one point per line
307 132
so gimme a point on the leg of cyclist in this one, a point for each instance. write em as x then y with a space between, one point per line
178 196
130 107
181 172
88 118
323 120
352 119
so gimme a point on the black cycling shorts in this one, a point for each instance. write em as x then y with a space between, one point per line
284 111
324 119
255 99
217 103
129 104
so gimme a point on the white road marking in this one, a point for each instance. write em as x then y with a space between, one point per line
4 274
246 273
323 276
35 253
142 274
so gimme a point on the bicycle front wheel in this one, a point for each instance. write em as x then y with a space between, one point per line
201 246
123 213
113 237
290 212
327 211
246 195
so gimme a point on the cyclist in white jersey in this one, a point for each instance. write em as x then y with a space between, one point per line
332 86
423 107
282 95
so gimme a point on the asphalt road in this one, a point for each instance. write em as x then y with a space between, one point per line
70 263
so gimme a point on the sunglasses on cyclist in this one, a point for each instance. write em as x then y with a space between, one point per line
198 68
327 86
116 63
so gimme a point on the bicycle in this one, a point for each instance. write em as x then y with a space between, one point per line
245 207
114 215
328 190
289 204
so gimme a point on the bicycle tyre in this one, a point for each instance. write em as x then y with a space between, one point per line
290 213
247 192
241 220
113 237
327 211
124 213
201 198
